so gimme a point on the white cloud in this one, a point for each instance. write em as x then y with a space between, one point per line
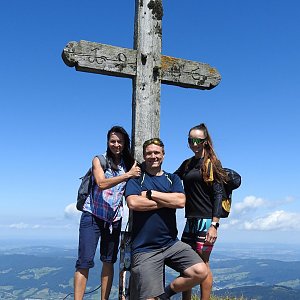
257 214
230 223
250 203
71 211
20 225
26 226
278 220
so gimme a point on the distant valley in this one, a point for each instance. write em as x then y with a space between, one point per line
42 272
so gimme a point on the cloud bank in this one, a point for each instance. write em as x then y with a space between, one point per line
251 214
257 214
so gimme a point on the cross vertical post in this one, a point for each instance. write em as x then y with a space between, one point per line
146 83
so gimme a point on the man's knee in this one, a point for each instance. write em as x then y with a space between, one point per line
198 272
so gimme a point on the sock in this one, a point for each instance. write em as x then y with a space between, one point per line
167 294
168 291
163 297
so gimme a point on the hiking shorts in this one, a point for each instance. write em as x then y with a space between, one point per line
194 234
147 268
90 230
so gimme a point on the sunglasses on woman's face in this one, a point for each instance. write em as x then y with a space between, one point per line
196 141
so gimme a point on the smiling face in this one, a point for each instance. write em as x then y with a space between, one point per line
116 143
153 156
196 139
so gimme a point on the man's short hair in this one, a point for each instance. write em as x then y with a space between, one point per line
155 141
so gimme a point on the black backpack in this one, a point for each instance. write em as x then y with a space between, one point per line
233 182
85 187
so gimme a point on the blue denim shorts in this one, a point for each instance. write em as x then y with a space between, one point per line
90 230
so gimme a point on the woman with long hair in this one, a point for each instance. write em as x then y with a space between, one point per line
202 177
103 211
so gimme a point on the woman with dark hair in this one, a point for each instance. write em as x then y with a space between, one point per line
103 211
202 177
126 153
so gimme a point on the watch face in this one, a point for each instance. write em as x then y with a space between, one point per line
215 224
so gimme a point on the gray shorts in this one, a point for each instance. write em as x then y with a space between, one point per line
147 269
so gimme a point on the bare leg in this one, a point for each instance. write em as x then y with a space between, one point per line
80 280
205 287
107 276
206 284
192 276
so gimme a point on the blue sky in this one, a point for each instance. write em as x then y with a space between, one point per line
53 120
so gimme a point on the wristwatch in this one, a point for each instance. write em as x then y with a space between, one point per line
215 224
149 194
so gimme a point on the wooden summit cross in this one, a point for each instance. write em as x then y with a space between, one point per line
146 66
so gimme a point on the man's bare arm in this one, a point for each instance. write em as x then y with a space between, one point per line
141 203
171 200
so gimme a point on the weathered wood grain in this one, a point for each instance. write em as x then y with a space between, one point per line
147 82
188 74
122 62
100 58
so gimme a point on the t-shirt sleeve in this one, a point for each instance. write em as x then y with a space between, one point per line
133 187
181 170
177 186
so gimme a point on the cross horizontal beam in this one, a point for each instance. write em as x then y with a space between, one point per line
121 62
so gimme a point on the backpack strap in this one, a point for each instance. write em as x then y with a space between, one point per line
168 176
104 165
103 162
142 178
210 170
